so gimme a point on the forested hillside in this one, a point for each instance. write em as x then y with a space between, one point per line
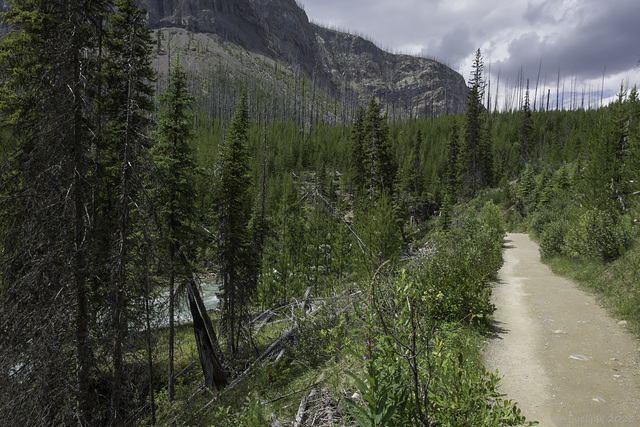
354 254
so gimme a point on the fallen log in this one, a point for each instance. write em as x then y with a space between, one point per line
302 408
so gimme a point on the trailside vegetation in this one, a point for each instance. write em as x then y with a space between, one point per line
354 256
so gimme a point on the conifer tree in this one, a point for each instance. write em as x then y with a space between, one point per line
357 159
417 167
631 164
453 163
379 166
237 268
47 88
476 154
126 106
280 278
75 95
175 194
526 130
378 225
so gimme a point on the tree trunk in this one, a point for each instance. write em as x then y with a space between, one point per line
171 334
80 285
206 340
152 399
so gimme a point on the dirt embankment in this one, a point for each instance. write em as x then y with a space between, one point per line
563 358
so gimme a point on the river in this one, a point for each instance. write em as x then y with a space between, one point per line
208 290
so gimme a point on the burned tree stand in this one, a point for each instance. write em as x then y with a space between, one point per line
207 341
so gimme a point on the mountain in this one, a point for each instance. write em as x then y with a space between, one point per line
347 67
333 60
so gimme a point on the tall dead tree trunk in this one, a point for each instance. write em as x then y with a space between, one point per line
80 285
207 341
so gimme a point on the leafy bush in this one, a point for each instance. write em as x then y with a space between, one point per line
321 336
552 238
599 234
463 396
383 395
454 281
491 219
454 277
417 374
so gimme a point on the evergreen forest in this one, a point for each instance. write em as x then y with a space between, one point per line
354 253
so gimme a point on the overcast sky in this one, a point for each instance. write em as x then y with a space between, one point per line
583 39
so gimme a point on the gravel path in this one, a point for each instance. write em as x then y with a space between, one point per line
563 358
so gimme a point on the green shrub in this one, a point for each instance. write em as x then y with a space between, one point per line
539 220
491 220
599 234
552 238
464 396
513 220
383 396
416 371
454 277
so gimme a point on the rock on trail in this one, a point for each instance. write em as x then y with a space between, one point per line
562 357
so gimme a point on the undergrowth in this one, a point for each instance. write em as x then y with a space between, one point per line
403 348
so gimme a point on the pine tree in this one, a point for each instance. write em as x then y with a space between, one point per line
175 194
476 154
237 268
357 159
48 69
526 130
379 167
280 278
126 107
631 164
417 167
378 225
453 163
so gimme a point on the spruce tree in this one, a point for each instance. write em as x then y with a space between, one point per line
631 164
379 166
126 106
75 97
453 163
48 264
416 175
526 131
237 268
476 154
175 195
357 158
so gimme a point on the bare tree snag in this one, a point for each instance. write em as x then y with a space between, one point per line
212 368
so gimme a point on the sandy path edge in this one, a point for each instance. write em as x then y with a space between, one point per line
562 357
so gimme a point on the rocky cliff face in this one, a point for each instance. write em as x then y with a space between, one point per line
344 65
417 86
233 20
335 61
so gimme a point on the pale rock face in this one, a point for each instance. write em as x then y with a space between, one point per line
335 61
344 65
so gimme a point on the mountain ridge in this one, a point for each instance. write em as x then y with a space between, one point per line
336 61
343 65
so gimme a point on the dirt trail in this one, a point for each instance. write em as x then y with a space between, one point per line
563 359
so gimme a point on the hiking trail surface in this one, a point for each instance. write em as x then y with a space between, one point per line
563 359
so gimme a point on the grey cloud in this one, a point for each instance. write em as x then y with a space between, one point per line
610 38
578 37
454 46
